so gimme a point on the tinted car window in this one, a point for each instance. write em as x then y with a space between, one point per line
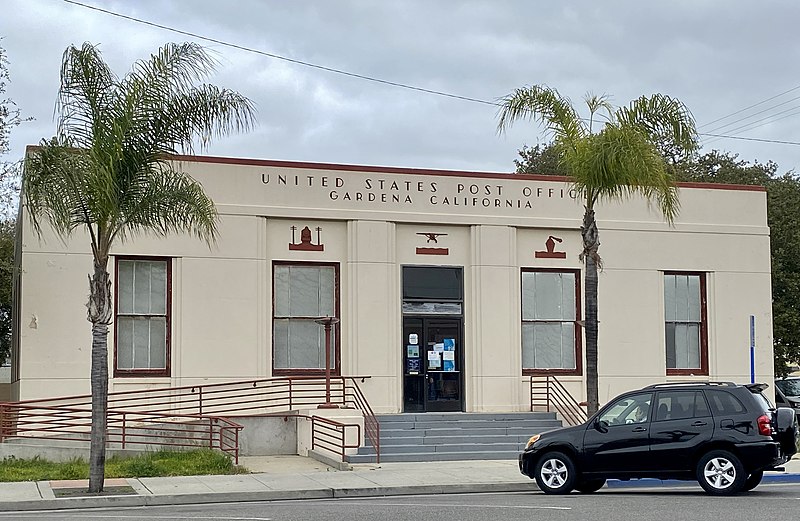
763 402
700 406
678 405
724 403
631 409
789 387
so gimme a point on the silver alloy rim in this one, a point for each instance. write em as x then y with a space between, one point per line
554 473
719 473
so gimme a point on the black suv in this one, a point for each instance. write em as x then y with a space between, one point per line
722 434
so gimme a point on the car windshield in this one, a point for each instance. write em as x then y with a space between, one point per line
789 387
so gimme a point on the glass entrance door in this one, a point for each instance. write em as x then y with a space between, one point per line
433 364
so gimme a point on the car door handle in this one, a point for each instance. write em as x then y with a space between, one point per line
699 424
639 429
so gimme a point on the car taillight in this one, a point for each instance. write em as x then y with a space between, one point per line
764 425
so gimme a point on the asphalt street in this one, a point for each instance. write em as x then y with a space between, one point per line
768 501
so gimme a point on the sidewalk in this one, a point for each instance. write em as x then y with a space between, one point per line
295 477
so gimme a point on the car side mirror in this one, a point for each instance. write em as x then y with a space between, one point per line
601 426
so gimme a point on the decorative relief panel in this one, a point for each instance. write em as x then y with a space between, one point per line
429 250
550 249
306 243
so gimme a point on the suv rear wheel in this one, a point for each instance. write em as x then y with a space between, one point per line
721 473
753 480
555 473
589 486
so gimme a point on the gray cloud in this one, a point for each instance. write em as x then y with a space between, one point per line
717 56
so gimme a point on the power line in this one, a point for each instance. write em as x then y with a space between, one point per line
792 111
750 107
387 82
754 114
754 139
284 58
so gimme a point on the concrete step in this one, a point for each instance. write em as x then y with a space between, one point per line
489 431
434 456
469 424
455 436
428 449
478 439
435 416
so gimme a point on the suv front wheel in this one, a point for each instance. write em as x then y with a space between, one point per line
555 473
721 473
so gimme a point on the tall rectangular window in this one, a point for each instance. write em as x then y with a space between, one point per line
303 293
142 317
551 339
685 323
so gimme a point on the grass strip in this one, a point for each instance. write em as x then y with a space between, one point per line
153 464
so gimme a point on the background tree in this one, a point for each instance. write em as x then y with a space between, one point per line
9 185
620 160
542 159
107 171
6 284
783 200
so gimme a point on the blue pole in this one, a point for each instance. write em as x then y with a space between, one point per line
752 349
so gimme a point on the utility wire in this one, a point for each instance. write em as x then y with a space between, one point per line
754 139
750 107
387 82
792 111
754 114
284 58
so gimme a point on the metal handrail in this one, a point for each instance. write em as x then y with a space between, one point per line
326 433
247 397
276 392
124 428
332 435
549 393
372 427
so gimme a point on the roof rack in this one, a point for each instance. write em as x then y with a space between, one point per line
692 384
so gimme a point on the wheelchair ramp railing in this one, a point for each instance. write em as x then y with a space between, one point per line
21 423
241 398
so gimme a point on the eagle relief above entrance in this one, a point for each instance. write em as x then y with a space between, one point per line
429 250
305 243
550 249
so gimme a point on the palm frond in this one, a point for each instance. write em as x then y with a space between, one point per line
87 85
205 112
168 201
163 107
619 162
54 187
662 116
595 103
118 183
543 104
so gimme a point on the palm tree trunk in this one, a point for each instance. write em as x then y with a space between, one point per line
590 281
591 242
99 314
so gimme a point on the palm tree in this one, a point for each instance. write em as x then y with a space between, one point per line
619 161
108 171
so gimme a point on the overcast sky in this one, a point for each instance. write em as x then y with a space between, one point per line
718 57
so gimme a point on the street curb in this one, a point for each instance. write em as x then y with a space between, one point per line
237 497
325 493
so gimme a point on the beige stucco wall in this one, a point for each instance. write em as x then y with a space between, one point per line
222 295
